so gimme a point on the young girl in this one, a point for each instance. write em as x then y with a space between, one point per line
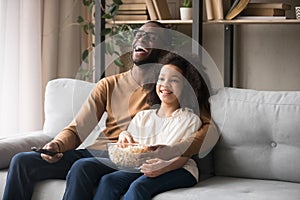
180 91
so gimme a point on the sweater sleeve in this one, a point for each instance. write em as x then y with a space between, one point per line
195 141
191 145
85 121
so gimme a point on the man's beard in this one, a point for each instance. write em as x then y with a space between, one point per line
152 58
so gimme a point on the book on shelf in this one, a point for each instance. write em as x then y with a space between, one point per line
151 10
133 6
217 8
132 12
284 6
131 17
261 17
237 7
209 10
162 9
263 12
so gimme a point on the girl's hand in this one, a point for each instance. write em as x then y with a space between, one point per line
125 138
155 167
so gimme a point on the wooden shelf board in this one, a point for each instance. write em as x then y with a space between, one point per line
175 21
251 21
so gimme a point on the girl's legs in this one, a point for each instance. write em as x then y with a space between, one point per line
146 188
84 177
113 186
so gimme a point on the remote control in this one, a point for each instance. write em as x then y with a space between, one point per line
44 151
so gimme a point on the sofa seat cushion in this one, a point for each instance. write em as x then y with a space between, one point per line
49 189
3 173
260 134
228 188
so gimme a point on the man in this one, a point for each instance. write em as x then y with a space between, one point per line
121 96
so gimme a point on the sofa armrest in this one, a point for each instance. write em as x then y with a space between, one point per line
13 145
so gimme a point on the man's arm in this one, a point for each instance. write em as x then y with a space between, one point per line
192 144
187 147
85 121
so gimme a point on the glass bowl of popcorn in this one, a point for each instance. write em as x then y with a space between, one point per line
130 157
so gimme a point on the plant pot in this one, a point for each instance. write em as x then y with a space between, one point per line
186 13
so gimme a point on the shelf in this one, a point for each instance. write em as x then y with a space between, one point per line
251 21
229 40
175 21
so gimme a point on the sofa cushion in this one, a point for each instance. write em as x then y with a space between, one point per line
228 188
260 134
63 99
44 190
13 145
3 174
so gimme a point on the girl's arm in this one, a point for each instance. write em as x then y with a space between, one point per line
155 167
125 138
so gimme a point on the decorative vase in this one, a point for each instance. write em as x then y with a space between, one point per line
186 13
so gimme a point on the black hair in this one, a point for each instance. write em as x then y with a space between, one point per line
196 95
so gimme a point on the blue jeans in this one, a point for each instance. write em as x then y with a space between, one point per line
82 170
136 186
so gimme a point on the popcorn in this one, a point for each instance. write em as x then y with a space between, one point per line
128 157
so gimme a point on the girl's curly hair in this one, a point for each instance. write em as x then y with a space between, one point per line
195 94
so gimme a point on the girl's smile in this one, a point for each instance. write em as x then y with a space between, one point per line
170 85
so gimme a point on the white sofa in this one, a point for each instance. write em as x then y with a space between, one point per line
256 157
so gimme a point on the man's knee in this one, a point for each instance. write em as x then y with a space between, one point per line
22 159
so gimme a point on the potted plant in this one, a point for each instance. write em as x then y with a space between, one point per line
186 10
120 35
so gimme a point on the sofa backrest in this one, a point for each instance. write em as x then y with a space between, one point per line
63 99
260 134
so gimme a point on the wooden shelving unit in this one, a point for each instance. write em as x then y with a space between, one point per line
161 21
197 24
251 21
229 39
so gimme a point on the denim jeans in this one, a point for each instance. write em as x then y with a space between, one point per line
83 172
135 186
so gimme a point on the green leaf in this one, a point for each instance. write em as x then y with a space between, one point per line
187 3
87 2
91 25
105 31
85 56
106 16
91 6
80 19
93 31
118 2
91 28
113 9
117 53
118 62
109 48
86 28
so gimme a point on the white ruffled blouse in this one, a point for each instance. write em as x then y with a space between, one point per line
150 129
